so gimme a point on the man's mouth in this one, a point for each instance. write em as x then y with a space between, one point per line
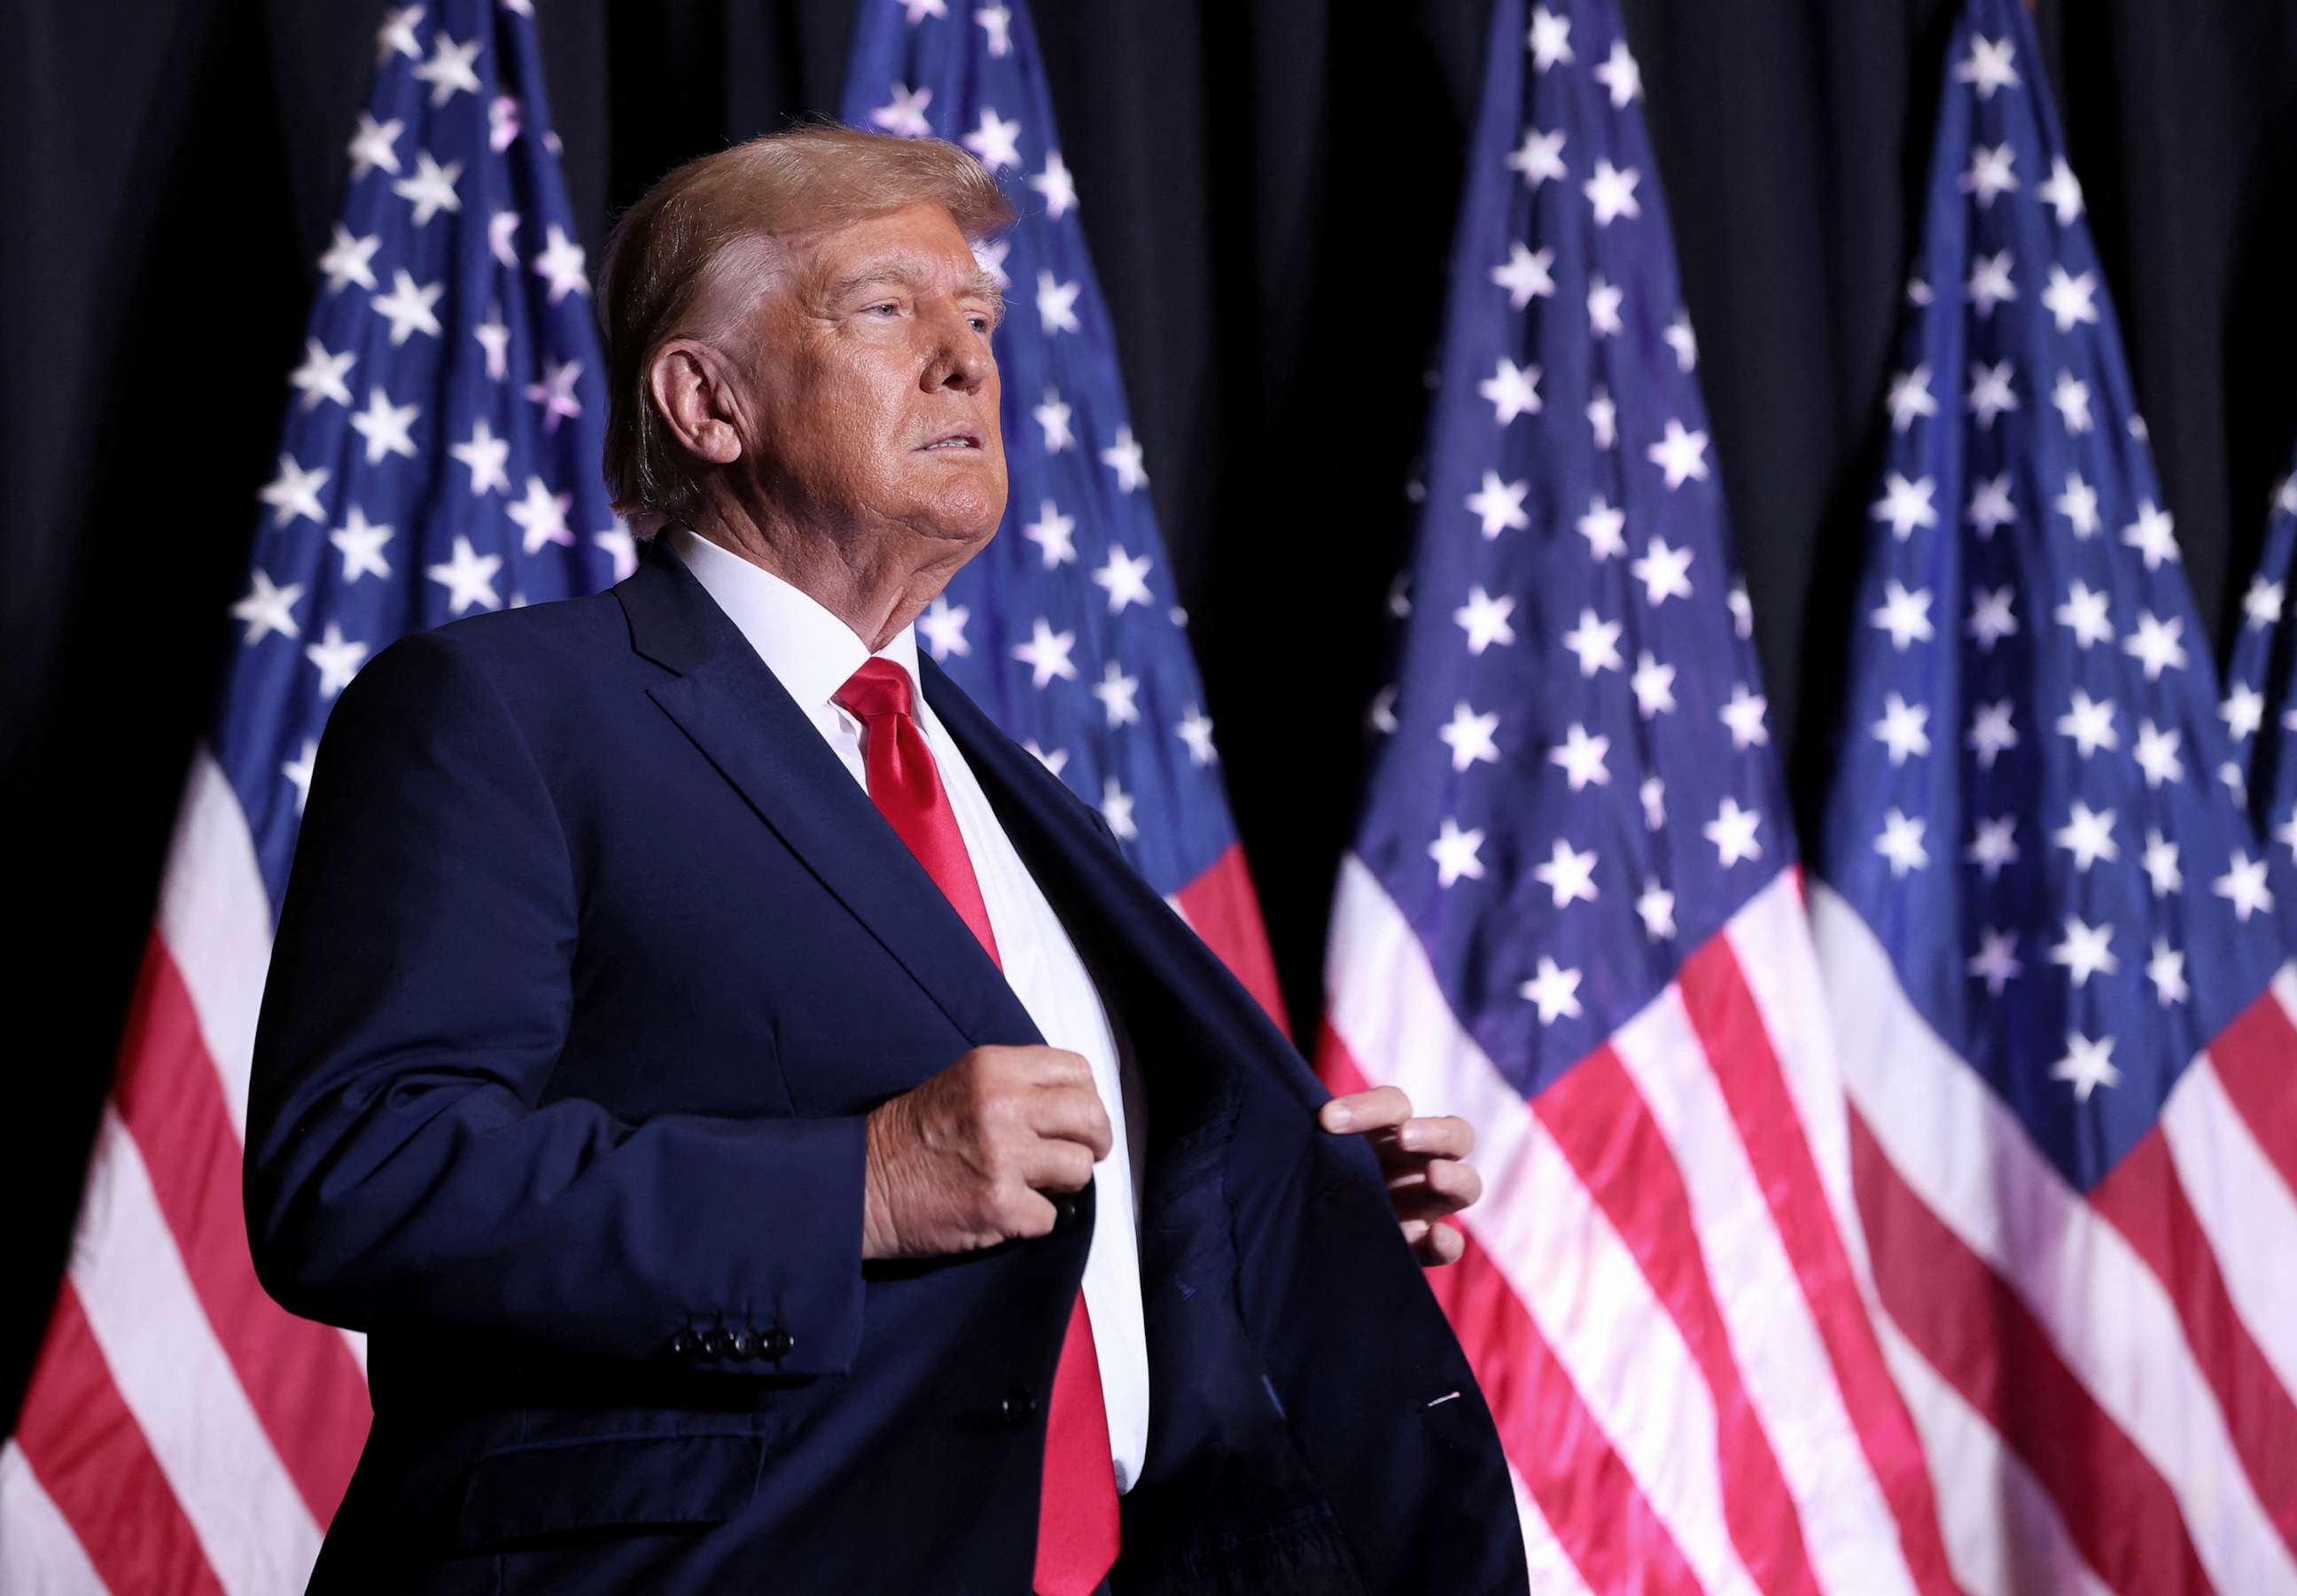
954 441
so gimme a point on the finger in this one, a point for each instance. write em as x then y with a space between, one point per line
1445 1136
1443 1186
1055 1166
1440 1245
1019 1211
1058 1066
1373 1110
1071 1113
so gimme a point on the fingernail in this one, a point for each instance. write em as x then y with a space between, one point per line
1337 1118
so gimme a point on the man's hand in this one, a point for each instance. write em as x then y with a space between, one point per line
1422 1160
963 1160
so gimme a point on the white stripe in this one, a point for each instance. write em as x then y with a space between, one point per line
214 915
176 1380
1549 1564
40 1554
1575 1276
2004 1536
2245 1209
1782 1362
1967 1158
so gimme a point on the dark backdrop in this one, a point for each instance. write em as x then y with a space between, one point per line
1268 188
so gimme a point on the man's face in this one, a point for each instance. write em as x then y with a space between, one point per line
874 392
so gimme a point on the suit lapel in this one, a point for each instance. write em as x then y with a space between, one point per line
736 711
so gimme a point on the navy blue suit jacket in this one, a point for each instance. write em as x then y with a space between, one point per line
593 959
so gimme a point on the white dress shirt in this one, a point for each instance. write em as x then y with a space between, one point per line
812 653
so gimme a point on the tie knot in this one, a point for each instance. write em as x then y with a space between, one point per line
880 687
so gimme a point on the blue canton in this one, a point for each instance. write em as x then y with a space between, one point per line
2261 704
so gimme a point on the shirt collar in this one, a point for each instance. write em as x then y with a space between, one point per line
811 651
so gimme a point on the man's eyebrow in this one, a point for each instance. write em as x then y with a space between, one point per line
904 274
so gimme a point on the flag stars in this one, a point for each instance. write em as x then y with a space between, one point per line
1117 692
1455 852
1990 175
1995 962
299 769
1116 809
2062 192
1910 399
1991 733
1992 282
321 375
1512 391
1603 301
1053 532
1991 393
2285 833
349 259
989 254
2079 505
1054 763
2160 862
2154 536
1905 505
1654 686
2088 1065
1732 831
996 23
1656 907
1991 618
338 658
1612 193
396 36
1581 759
1989 508
942 627
2086 951
996 142
1554 990
2157 754
2089 722
541 516
1664 573
2156 645
1681 453
1743 715
1986 67
1901 843
1905 615
494 338
1539 158
560 265
1603 418
448 71
2084 614
555 392
486 454
2070 299
1902 730
2243 712
1652 795
1742 610
1470 737
1500 504
1595 642
2166 969
1125 578
1047 654
432 189
409 308
2261 604
469 578
904 115
502 237
1683 341
1485 619
1124 457
1618 73
372 146
1527 274
2244 885
1570 877
384 426
2088 836
1057 304
296 492
1549 40
1993 846
1053 416
361 547
1055 185
1196 729
914 11
269 608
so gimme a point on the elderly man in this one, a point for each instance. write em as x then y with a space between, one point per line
774 1142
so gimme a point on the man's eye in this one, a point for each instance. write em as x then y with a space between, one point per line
889 307
980 323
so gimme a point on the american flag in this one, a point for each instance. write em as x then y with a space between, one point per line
2047 929
440 456
2260 703
1067 629
1572 913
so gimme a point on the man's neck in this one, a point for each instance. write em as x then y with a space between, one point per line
877 598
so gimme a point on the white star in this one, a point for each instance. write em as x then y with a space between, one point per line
338 659
1991 732
996 21
541 516
1989 174
2089 722
905 113
1555 991
384 425
2084 612
2062 192
2071 398
1053 762
1993 846
1906 616
1910 399
2244 886
1619 73
408 307
1652 795
1581 759
1656 905
449 70
1116 690
1596 642
2285 833
1991 618
556 393
1455 853
1603 301
1612 193
1124 457
915 11
1125 578
2167 971
1512 391
396 37
1525 276
1549 40
2236 781
1500 504
2079 505
349 259
494 338
2067 299
486 454
1540 158
1682 455
1654 686
1903 729
2087 1066
1603 527
294 492
1742 610
1057 304
1057 185
1570 877
1996 962
305 765
997 143
1991 282
362 545
502 237
2262 603
269 608
1485 619
560 264
2160 862
1196 729
321 375
1990 393
1988 67
989 254
2157 754
1683 341
1744 716
2244 711
2084 952
2154 534
1053 416
1603 418
1990 508
469 578
1664 573
1901 843
432 189
1733 832
944 627
1905 505
370 146
621 546
502 122
1469 736
1051 531
2088 836
1047 654
1116 809
2156 645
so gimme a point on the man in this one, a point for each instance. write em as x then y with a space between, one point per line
773 1140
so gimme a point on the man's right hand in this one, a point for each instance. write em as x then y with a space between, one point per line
964 1161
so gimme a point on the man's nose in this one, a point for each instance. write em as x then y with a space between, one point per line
961 357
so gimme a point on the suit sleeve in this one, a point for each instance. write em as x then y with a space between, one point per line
403 1167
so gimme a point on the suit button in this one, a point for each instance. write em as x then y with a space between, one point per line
1068 1207
776 1343
714 1342
1018 1406
741 1343
685 1344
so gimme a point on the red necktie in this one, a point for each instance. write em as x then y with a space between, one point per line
1076 1510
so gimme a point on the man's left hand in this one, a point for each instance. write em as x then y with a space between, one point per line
1424 1161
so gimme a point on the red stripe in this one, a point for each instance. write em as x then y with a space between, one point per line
1981 1338
1605 1129
2144 1199
301 1378
90 1457
1224 910
2256 1061
1731 1031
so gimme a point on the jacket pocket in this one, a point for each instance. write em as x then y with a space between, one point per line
664 1481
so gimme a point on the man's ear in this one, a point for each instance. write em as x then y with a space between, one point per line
693 393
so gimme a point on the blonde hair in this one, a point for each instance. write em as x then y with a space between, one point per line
667 254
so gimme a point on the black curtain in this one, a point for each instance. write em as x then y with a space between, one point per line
1268 186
